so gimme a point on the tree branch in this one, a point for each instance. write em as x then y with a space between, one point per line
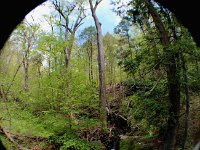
57 7
14 77
97 3
78 22
156 83
7 135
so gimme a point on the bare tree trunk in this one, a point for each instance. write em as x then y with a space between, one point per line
111 73
49 61
102 82
173 78
49 65
89 66
26 65
91 54
68 49
26 78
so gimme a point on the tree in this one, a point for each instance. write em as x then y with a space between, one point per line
110 46
149 16
27 34
102 82
142 10
65 9
89 35
173 78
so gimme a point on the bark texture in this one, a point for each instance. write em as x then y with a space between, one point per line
102 82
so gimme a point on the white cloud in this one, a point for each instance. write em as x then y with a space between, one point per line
107 17
36 15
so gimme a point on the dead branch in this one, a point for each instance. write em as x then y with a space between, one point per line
156 83
13 79
7 135
22 137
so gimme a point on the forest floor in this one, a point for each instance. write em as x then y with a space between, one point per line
33 132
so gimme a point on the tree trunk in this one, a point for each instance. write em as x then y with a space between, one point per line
26 65
102 82
187 110
3 94
68 49
89 51
173 79
91 61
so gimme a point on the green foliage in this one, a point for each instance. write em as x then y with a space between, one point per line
147 109
89 34
7 144
19 120
129 144
61 102
70 140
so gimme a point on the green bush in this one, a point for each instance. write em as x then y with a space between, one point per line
71 141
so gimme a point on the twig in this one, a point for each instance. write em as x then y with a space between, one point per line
156 83
13 78
122 117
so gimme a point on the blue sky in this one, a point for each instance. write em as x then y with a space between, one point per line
107 17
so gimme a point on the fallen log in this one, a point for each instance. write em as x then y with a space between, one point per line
22 137
7 135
